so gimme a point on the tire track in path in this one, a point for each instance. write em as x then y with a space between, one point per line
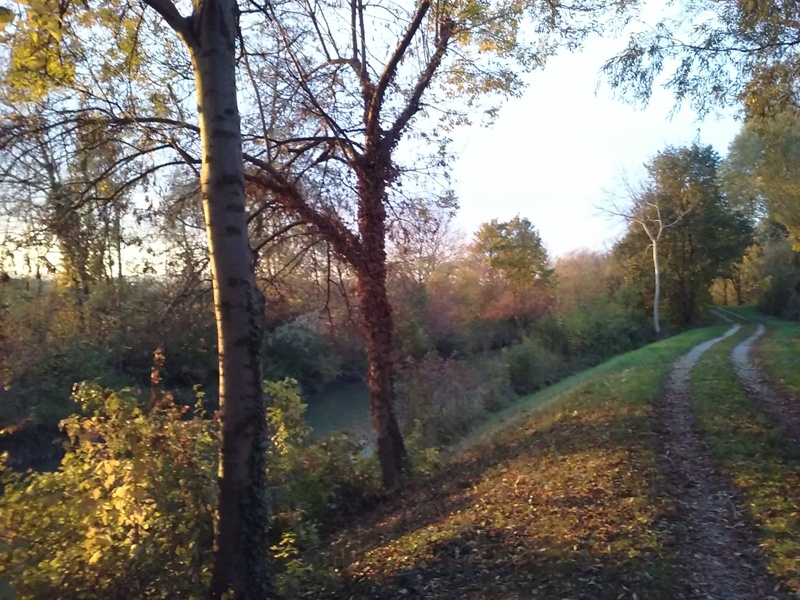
784 410
713 542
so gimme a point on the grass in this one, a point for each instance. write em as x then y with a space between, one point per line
561 503
526 405
778 352
749 314
779 355
754 454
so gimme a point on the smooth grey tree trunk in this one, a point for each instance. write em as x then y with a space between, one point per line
657 295
240 535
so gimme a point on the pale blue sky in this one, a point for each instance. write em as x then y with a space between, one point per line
552 154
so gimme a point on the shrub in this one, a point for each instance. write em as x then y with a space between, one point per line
312 482
552 334
442 398
439 394
312 478
298 351
129 513
497 390
601 331
43 388
531 366
48 341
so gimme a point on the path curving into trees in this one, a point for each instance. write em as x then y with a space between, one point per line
784 412
717 554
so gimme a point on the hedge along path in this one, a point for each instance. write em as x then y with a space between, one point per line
719 559
783 410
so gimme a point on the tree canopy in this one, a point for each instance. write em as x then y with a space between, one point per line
516 268
714 54
514 250
761 173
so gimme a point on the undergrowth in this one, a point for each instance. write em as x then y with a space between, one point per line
130 511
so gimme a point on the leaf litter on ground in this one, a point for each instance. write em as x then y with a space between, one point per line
564 502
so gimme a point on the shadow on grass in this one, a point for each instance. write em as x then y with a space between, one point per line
563 510
496 563
563 503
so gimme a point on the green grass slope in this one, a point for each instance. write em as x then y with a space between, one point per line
562 502
778 353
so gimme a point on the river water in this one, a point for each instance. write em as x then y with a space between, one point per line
344 406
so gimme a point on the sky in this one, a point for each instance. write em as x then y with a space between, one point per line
557 154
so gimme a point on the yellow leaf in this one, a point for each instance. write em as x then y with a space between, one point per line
95 557
54 30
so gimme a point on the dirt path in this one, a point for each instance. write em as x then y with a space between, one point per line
784 411
712 538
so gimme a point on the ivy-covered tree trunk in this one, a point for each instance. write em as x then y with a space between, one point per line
240 536
376 314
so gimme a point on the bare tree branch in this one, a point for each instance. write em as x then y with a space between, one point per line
375 102
413 106
180 24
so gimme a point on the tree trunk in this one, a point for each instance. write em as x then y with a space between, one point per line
376 313
378 326
118 242
737 286
689 306
657 295
240 531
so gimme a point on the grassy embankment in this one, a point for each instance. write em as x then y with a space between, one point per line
751 451
561 503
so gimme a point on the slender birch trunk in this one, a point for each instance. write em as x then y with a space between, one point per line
657 295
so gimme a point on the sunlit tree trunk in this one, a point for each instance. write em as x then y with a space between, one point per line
737 288
240 541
